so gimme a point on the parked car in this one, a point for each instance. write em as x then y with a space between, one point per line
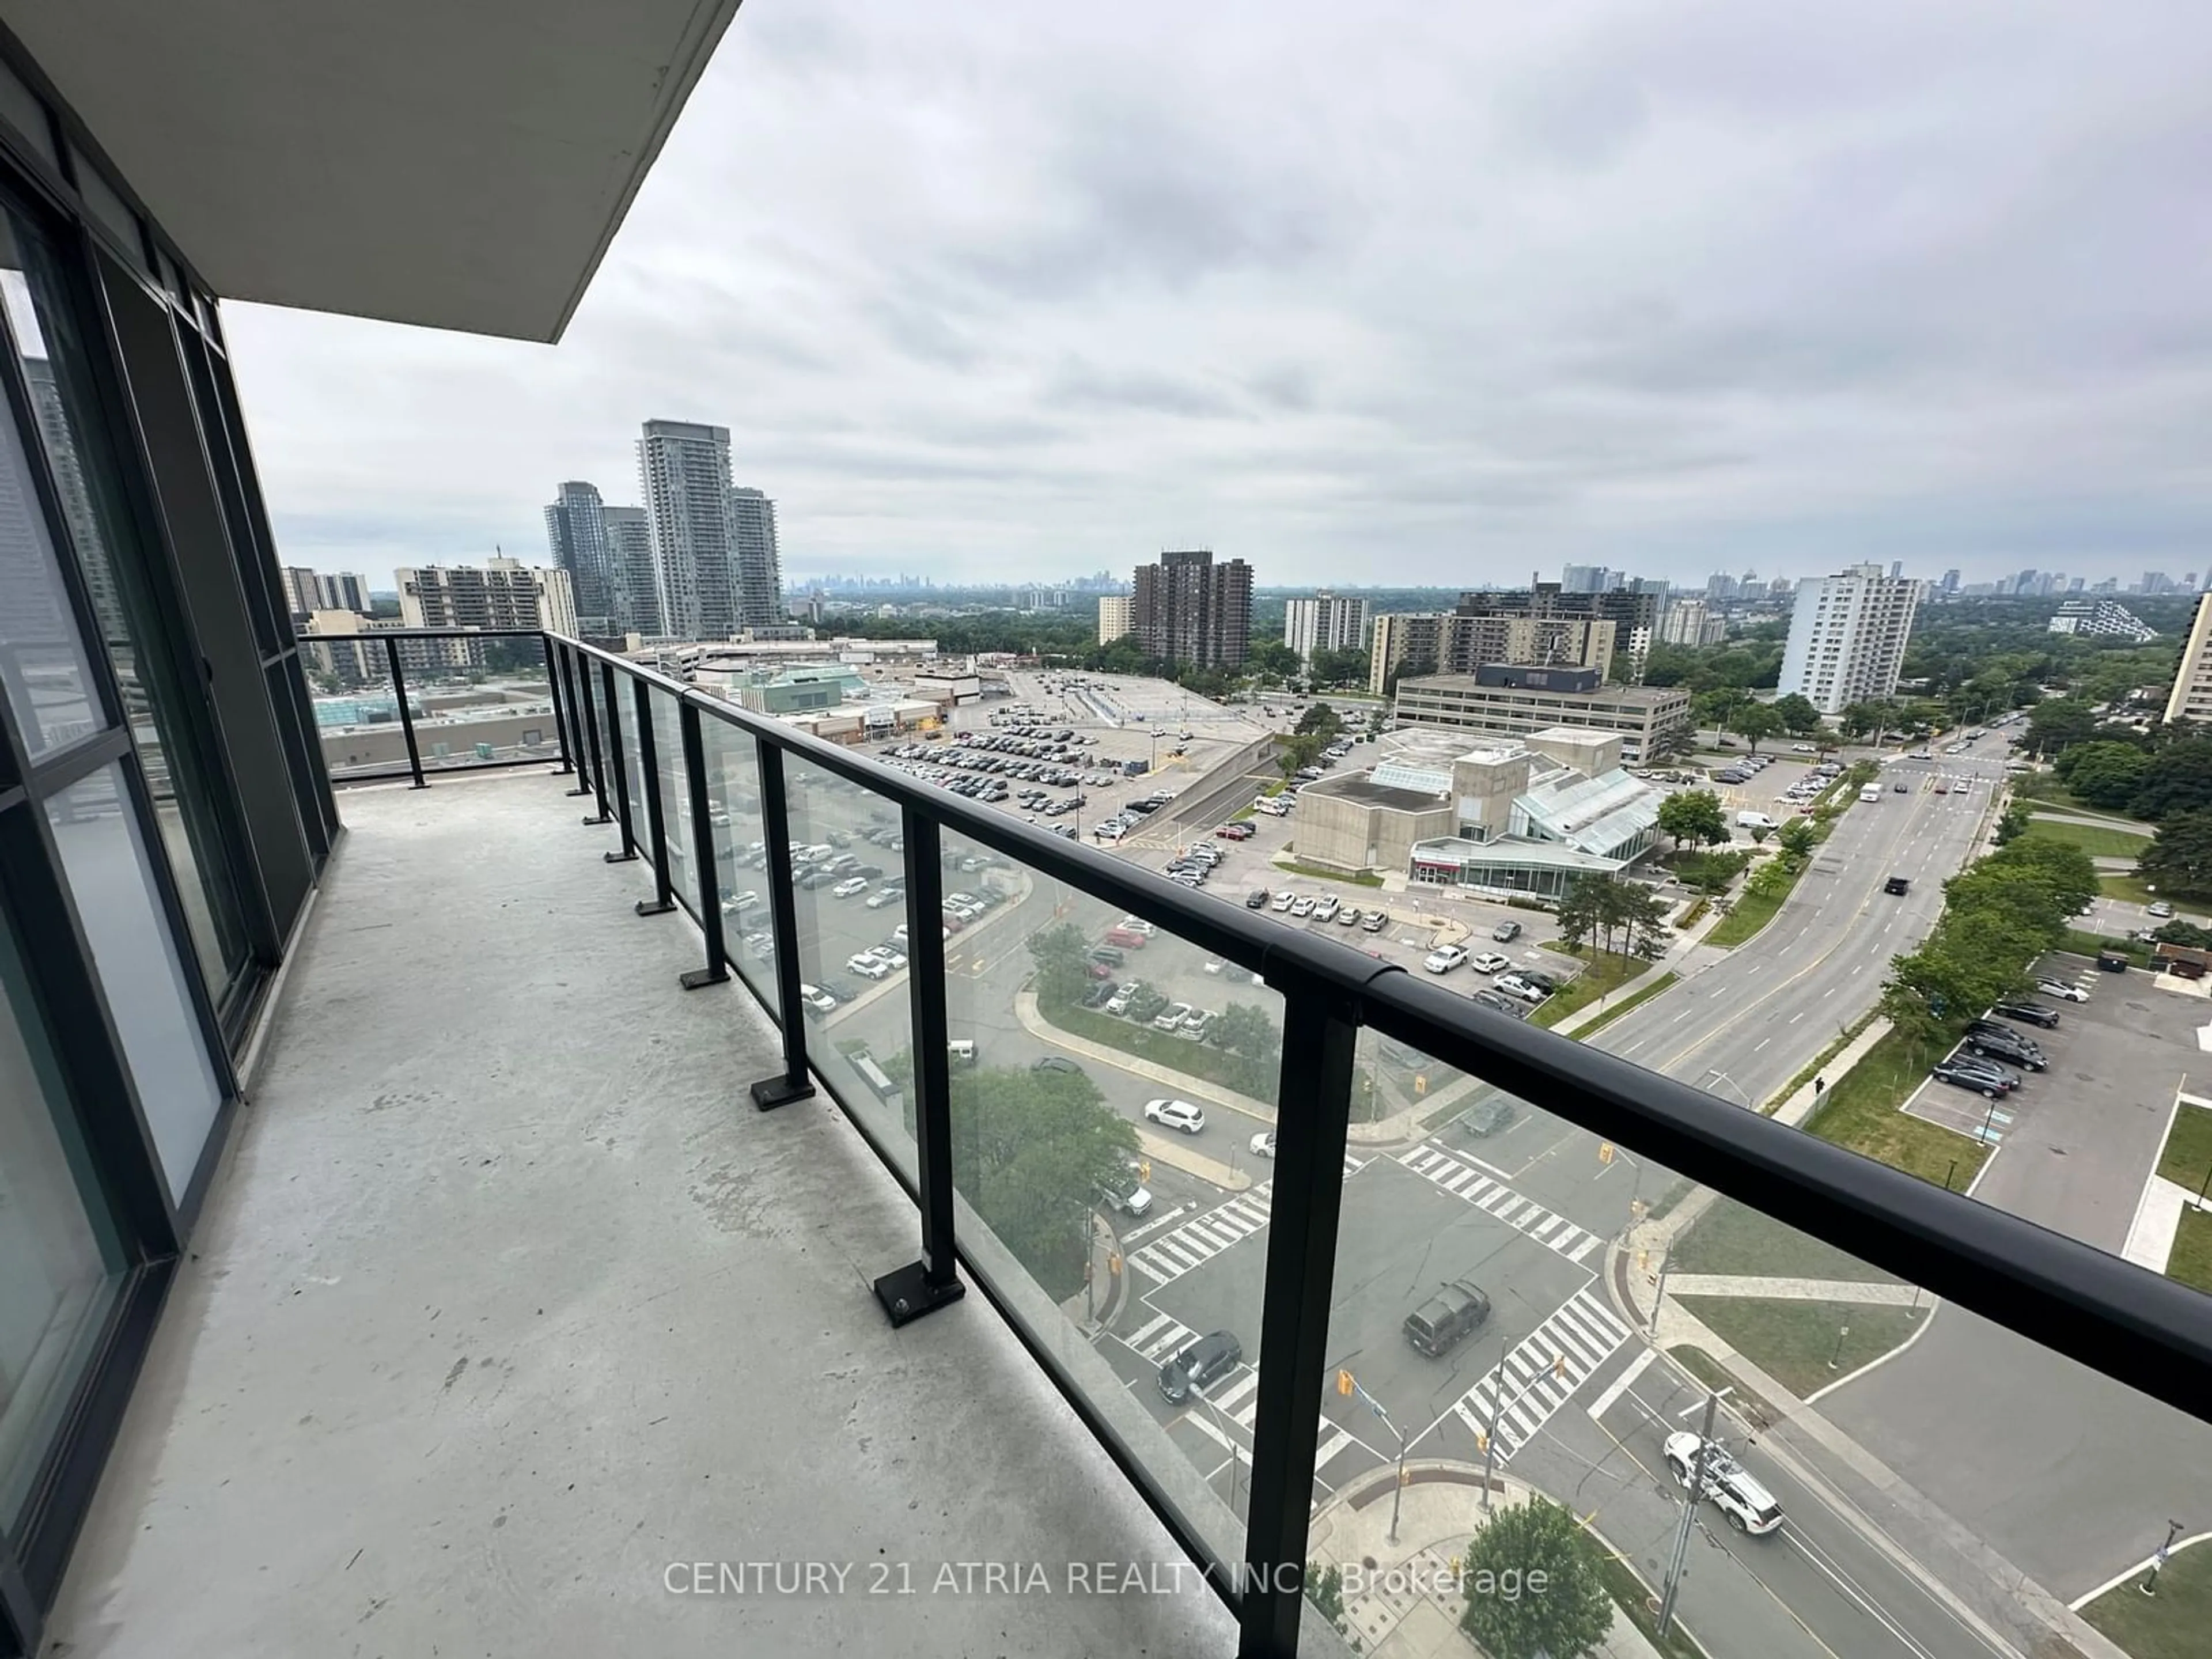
849 886
1375 922
1325 908
1100 993
1993 1041
2160 908
1490 1115
2029 1013
1506 931
1966 1072
1444 959
818 1002
1283 901
1303 905
1499 1004
1490 963
1513 985
1263 1143
1256 899
1348 916
1060 1065
2062 990
1118 1002
1171 1018
868 965
1204 1362
884 895
1175 1114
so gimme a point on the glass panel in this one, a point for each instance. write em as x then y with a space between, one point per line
105 205
626 717
60 1259
356 711
852 959
1894 1481
675 795
1114 1101
163 704
480 702
42 661
23 111
741 854
105 861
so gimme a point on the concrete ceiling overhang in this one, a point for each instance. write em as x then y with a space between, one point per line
460 164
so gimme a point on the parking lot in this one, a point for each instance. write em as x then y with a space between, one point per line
2080 1138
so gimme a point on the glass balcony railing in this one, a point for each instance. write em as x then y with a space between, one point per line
1381 1384
409 702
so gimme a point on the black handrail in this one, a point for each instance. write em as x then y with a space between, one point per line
2137 1328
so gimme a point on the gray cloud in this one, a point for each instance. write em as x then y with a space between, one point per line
1012 290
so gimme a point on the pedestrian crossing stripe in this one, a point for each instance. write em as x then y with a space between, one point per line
1172 1254
1547 1227
1540 1374
1159 1337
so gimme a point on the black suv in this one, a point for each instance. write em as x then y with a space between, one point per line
1982 1076
2029 1013
1209 1358
2000 1042
1454 1313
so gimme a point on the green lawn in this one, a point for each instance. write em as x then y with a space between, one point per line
2082 944
1608 972
2171 1624
1364 879
1733 1239
2095 840
1643 993
2191 1260
1821 1061
2124 887
1804 1345
2188 1148
1752 912
1860 1111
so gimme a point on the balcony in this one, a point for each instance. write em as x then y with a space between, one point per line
608 1194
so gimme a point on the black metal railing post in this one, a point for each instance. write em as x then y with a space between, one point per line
617 765
553 680
1313 1112
925 1285
580 692
572 736
783 918
656 824
702 851
406 715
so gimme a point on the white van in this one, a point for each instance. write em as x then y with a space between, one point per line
1872 791
960 1051
1754 821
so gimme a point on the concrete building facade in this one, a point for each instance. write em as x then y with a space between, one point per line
1452 642
2104 619
1324 623
683 472
577 534
1188 609
757 566
499 593
636 586
1641 716
2192 696
1117 618
1847 637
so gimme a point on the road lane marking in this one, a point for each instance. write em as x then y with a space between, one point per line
1621 1384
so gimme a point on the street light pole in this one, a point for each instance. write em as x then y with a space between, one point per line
1689 1515
1490 1440
2149 1585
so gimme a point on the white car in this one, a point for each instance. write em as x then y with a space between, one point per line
1514 986
1170 1018
1283 901
1444 959
849 886
2062 990
1734 1490
1304 907
1137 925
1263 1144
1175 1115
819 1000
1490 963
884 895
1326 910
1803 749
1120 1001
739 905
868 965
891 959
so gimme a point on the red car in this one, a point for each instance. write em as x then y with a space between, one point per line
1128 938
952 924
1234 832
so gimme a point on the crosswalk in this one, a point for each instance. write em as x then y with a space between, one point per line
1542 1373
1233 1401
1172 1254
1547 1227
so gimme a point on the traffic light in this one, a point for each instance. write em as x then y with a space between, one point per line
1605 1151
1405 1477
1481 1442
1344 1382
1420 1083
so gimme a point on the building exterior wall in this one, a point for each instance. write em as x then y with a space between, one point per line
1847 637
501 593
1453 642
1188 609
1324 623
635 582
577 533
1348 834
1639 715
2192 696
683 472
758 565
1116 617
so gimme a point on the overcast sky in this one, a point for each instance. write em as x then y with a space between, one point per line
1382 293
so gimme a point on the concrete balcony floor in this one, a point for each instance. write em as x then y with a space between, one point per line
507 1300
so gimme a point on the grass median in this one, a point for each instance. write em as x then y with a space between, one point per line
1603 973
2187 1158
1861 1111
1736 1239
2191 1262
2171 1624
1804 1345
1315 872
1178 1054
1642 994
1751 912
2096 840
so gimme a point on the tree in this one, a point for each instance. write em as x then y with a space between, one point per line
1798 838
2179 859
1570 1614
1321 720
1299 750
1246 1030
1695 817
1061 954
2013 823
1754 722
2064 869
2181 782
1798 716
2104 772
1029 1151
2056 726
1580 909
1272 660
1325 1590
1340 667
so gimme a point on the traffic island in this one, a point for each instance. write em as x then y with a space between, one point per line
2175 1622
1805 1344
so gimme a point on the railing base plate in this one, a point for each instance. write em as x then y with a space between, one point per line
698 977
655 907
907 1294
594 823
620 858
586 790
773 1091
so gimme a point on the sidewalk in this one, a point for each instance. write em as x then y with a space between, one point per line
1418 1617
1886 1292
2158 1218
